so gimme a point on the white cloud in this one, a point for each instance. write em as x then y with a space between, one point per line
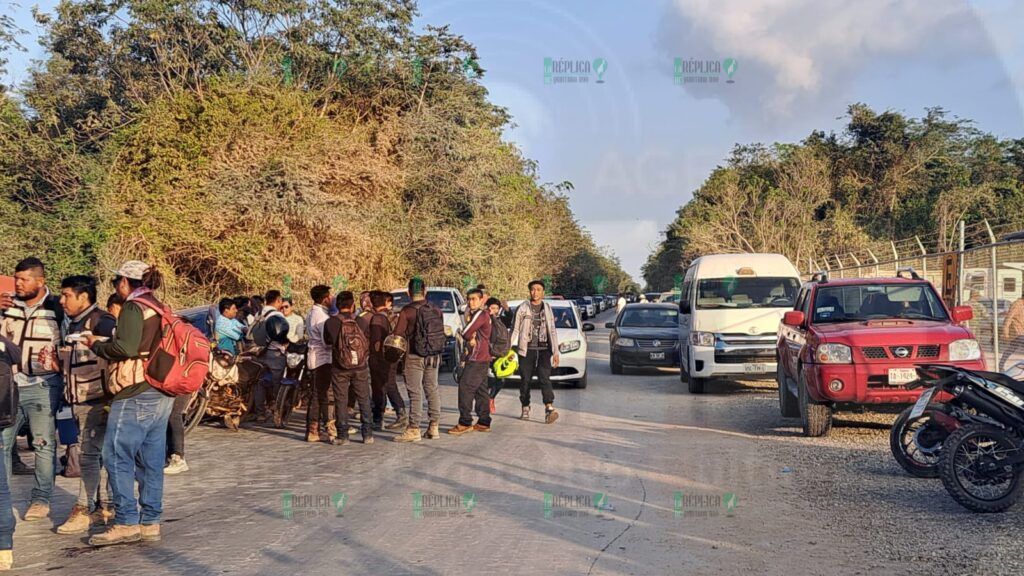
632 240
796 53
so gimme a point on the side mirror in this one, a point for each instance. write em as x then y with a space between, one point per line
684 307
793 318
588 327
462 308
962 314
609 324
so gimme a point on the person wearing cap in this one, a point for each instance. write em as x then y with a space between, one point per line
135 444
31 320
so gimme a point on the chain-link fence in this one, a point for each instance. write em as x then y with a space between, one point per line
987 277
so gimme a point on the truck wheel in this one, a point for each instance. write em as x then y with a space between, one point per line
816 418
616 365
788 404
695 385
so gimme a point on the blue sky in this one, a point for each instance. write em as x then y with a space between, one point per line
637 145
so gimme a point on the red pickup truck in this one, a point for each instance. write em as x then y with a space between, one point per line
852 343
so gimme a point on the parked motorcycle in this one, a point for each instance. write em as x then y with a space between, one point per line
296 385
917 436
227 391
981 460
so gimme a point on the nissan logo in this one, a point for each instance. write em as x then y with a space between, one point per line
901 352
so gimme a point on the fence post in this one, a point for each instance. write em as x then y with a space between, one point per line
924 253
873 257
995 297
895 255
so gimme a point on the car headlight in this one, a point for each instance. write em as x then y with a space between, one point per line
702 338
966 349
570 346
625 342
294 360
448 330
834 354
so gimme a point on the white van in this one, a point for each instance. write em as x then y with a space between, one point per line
729 313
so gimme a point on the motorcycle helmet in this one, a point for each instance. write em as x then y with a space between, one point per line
277 329
506 365
395 347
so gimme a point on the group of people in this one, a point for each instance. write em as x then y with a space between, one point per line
59 350
64 350
357 350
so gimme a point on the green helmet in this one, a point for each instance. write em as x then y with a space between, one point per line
506 365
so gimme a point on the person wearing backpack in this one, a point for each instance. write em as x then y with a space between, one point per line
382 372
88 394
535 337
135 444
477 336
10 362
501 342
350 372
269 332
422 325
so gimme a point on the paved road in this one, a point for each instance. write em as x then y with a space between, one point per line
636 477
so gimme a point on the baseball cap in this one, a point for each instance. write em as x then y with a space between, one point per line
132 270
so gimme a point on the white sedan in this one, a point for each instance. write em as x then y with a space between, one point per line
572 342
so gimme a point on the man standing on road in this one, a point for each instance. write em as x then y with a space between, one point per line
472 382
10 364
350 373
31 320
536 340
620 303
86 392
296 325
318 361
421 369
270 330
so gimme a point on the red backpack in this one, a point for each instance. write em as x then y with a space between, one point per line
181 359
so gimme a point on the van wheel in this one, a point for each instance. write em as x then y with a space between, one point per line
695 385
616 365
816 418
789 405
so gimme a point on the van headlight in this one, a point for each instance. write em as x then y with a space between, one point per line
834 354
966 349
625 342
570 346
702 338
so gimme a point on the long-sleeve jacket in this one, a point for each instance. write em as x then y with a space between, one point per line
522 328
138 330
479 328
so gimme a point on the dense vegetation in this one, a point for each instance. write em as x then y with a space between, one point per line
248 144
884 177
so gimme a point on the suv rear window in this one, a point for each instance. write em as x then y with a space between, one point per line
877 301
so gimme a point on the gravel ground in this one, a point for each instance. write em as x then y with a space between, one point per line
634 478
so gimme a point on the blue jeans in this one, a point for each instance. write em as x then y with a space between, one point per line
134 448
6 513
36 404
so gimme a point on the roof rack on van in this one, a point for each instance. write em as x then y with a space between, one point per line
907 270
820 276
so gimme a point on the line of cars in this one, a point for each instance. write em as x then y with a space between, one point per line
832 345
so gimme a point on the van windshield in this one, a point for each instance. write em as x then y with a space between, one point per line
746 292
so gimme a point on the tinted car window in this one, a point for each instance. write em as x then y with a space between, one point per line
746 292
564 317
649 317
869 302
443 300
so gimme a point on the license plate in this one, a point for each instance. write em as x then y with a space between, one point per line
899 376
657 355
754 368
922 403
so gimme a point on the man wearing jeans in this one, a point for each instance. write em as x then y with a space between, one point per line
473 381
420 372
10 361
535 337
31 320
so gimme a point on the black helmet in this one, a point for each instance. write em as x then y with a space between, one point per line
277 329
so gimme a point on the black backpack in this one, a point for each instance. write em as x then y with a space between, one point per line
500 342
428 337
9 357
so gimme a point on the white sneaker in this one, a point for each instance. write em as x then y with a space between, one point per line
177 465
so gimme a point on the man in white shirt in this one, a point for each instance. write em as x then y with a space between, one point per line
318 360
620 303
296 325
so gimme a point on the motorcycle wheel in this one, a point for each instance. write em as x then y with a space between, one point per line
917 444
195 411
964 453
285 403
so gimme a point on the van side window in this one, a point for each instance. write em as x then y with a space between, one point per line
687 288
